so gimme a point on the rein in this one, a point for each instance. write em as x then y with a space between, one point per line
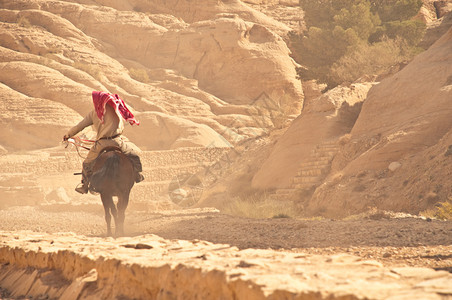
79 143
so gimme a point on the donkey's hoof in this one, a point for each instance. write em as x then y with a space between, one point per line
139 177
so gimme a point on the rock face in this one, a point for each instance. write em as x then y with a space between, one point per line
160 131
26 121
405 122
337 159
288 12
204 63
303 153
202 73
436 14
149 267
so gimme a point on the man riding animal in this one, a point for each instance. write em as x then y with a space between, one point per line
107 120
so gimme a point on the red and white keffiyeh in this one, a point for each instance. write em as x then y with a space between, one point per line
100 99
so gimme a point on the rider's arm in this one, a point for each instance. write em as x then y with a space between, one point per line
87 121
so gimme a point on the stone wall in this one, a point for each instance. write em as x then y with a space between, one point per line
29 179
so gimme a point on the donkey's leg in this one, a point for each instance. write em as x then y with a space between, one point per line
107 201
123 202
114 212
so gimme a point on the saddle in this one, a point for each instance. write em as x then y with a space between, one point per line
138 176
108 149
85 186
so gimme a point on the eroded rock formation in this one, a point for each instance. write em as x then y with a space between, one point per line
73 267
206 64
405 122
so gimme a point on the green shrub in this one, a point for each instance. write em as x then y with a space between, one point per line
139 75
411 31
444 210
336 29
395 10
92 70
366 59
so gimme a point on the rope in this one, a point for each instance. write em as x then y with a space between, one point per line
79 143
86 141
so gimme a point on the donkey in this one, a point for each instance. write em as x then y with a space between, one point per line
113 175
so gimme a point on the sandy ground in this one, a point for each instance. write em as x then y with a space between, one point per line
394 241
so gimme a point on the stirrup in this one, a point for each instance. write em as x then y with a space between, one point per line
82 189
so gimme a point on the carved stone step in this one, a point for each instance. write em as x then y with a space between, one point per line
311 172
328 146
322 155
305 179
315 163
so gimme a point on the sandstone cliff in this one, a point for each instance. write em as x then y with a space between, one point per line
396 156
218 73
393 153
205 64
215 73
309 143
328 165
